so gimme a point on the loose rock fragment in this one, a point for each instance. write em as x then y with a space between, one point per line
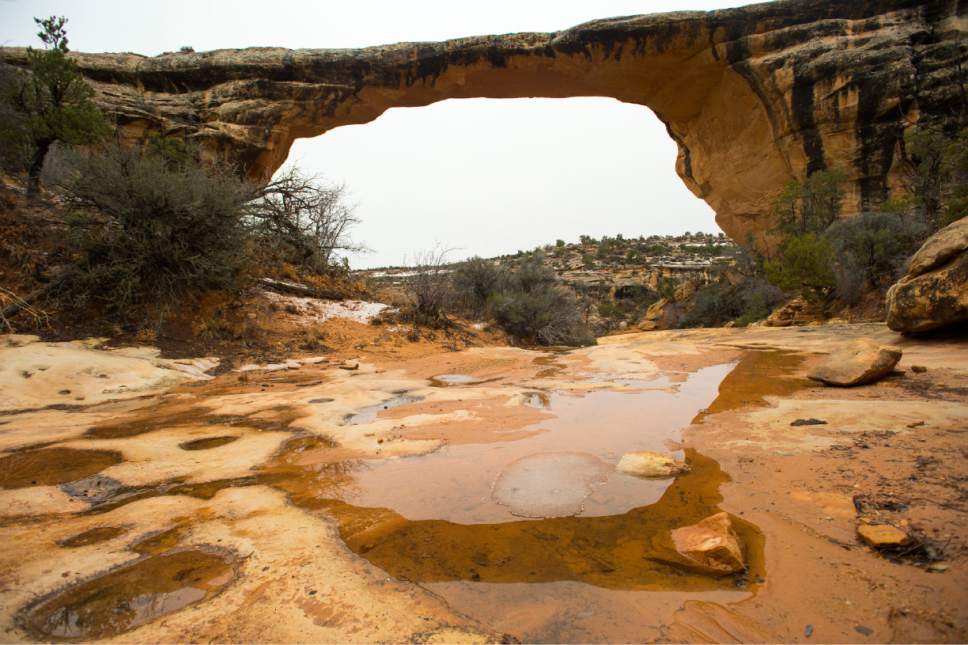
857 363
882 536
710 546
651 464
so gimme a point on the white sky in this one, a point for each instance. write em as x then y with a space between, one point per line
479 176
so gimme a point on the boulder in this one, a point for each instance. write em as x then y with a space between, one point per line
857 363
934 292
663 314
710 546
795 312
882 536
651 464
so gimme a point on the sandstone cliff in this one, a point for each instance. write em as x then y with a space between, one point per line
754 96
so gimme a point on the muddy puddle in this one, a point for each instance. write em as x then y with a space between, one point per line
759 374
207 443
457 482
370 412
53 466
129 596
540 519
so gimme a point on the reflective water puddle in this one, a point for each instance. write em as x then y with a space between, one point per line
130 595
537 535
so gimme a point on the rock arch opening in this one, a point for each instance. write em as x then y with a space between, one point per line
754 96
490 177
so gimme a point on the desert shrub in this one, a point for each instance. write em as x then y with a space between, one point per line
297 219
535 308
144 229
805 263
719 302
475 282
871 250
429 289
758 298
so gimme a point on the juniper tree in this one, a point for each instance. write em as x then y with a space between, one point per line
51 102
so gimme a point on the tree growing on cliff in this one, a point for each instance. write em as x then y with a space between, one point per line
805 263
49 104
812 205
935 174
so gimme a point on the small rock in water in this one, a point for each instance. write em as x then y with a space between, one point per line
857 363
709 546
808 422
651 464
882 536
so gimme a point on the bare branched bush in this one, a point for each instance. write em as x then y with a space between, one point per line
301 221
429 287
12 304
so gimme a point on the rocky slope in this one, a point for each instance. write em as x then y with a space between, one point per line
754 96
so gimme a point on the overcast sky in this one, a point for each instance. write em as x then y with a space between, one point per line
479 176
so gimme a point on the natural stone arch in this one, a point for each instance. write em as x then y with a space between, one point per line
754 97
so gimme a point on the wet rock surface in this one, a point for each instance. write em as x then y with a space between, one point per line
327 524
859 362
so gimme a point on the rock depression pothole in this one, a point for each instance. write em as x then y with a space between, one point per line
129 596
549 484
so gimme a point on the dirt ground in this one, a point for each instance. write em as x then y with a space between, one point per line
168 506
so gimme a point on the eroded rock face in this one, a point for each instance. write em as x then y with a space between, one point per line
754 96
934 293
857 363
662 314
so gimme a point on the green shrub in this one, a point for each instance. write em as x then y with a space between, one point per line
719 302
805 263
535 308
476 281
144 230
813 205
